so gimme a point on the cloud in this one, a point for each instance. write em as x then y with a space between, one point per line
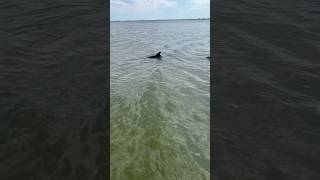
200 4
158 9
140 6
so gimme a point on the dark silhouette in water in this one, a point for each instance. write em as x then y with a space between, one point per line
156 56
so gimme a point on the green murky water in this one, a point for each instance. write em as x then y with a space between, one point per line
160 107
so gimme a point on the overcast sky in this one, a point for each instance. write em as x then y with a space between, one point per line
159 9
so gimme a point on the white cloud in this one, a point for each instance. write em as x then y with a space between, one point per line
140 6
200 4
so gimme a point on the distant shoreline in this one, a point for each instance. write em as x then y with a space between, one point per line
161 20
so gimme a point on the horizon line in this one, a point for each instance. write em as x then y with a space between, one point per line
161 19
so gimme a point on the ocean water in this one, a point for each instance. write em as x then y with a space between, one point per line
53 89
160 107
266 90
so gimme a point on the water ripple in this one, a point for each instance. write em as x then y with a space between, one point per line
160 108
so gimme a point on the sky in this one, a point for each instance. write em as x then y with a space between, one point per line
158 9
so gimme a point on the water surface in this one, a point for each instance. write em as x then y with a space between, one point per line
266 90
53 63
160 107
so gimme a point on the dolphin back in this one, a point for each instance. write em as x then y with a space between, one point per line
156 56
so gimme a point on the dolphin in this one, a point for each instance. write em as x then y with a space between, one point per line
156 56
